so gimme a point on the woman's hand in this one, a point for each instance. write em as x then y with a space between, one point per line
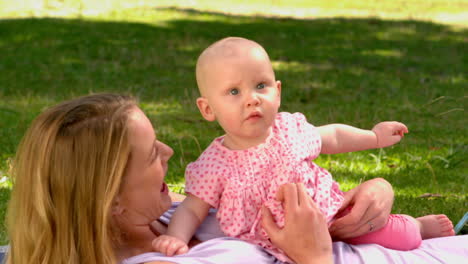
304 237
371 204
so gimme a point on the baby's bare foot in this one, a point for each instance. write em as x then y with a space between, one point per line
435 226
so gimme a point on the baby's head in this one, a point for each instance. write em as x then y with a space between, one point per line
236 80
223 52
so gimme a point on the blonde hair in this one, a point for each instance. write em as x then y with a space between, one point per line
67 172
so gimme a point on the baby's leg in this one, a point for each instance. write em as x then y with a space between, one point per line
404 232
432 226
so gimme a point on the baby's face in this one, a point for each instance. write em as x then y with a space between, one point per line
242 93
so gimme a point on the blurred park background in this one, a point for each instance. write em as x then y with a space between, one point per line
340 61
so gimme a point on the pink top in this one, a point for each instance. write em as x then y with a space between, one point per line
239 182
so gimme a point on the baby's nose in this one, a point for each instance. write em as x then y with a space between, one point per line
253 100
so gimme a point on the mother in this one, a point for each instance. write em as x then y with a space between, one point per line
89 183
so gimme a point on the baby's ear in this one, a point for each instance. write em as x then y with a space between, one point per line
278 86
205 109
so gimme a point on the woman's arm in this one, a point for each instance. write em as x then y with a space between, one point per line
371 202
304 237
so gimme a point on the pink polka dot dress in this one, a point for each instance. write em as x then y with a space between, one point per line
239 182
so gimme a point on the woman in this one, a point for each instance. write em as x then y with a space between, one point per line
89 181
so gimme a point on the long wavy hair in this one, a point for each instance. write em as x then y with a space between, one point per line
66 174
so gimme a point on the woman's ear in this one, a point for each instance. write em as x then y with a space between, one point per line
205 109
117 208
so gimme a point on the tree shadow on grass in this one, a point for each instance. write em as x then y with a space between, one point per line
59 57
353 71
340 69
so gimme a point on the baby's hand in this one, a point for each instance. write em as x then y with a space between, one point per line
389 133
169 245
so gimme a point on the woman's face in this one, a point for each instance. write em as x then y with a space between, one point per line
144 196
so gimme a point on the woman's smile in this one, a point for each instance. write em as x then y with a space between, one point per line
164 188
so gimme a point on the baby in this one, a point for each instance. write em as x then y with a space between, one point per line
263 149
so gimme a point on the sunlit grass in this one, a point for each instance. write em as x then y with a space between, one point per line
442 11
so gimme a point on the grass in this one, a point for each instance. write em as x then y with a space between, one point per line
353 70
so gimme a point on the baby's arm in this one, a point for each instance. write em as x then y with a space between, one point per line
339 138
185 221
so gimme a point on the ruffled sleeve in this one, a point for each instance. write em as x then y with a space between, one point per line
204 177
303 137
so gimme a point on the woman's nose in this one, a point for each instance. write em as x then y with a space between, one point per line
167 152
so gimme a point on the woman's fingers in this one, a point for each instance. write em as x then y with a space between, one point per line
355 222
362 228
354 217
348 199
287 193
268 223
302 196
304 236
352 227
370 204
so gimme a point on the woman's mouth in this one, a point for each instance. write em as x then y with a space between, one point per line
164 188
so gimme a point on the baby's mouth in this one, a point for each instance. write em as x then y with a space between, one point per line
254 115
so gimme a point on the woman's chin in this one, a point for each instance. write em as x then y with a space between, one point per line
166 201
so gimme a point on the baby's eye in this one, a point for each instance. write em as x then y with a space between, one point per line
234 91
260 86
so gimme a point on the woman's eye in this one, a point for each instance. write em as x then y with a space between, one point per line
155 153
234 91
260 86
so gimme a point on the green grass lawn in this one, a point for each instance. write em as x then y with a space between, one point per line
353 70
